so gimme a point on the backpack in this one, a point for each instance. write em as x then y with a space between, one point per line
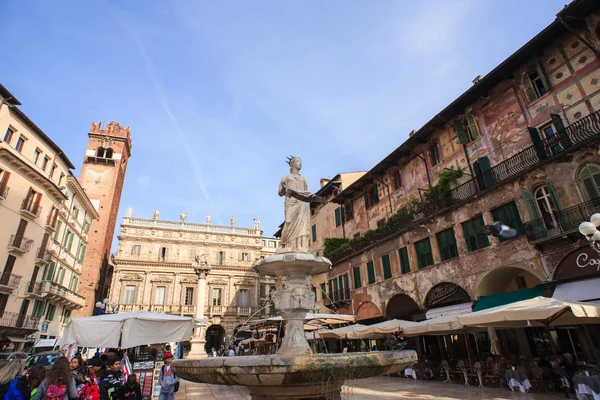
90 391
56 392
13 393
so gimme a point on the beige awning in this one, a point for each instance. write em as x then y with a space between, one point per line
538 311
386 327
349 332
436 326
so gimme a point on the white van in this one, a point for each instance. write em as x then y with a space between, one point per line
44 345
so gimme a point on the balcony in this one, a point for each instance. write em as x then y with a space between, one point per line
4 189
32 210
216 310
337 297
16 320
19 244
9 282
56 293
188 310
571 138
561 223
244 311
41 256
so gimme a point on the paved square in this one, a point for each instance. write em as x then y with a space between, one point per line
378 388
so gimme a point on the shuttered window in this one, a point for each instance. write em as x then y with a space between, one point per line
424 254
447 244
314 233
338 216
509 215
589 181
475 237
387 268
357 281
404 263
371 272
349 211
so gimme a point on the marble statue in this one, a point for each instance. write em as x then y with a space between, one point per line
256 224
156 214
128 212
296 228
183 216
208 219
232 221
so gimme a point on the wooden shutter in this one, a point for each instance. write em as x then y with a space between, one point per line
366 196
314 233
8 268
338 218
468 233
375 193
537 143
404 263
562 134
357 281
70 243
43 246
20 233
371 272
4 180
486 173
34 275
387 268
528 88
473 127
543 76
552 192
38 199
460 131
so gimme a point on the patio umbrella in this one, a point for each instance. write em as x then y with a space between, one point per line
385 327
444 325
348 332
126 330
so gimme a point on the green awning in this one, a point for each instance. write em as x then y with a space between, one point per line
500 299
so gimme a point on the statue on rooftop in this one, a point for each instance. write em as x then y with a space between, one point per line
156 214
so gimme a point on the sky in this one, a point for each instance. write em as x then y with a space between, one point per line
218 93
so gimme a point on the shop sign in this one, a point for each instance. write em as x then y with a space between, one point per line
446 293
44 328
581 263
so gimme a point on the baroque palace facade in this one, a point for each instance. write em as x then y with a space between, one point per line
45 219
153 271
520 146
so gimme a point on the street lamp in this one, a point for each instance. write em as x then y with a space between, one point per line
103 305
591 231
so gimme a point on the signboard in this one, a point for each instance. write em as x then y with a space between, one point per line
578 264
44 328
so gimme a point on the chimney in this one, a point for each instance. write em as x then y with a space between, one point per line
477 79
324 181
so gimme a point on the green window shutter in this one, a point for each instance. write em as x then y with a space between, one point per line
473 127
563 136
367 205
460 131
375 190
66 238
50 271
338 217
314 233
486 171
371 272
537 143
532 209
558 123
404 263
70 244
357 281
76 213
467 232
542 73
387 268
482 238
552 192
82 253
87 227
56 232
589 181
528 88
424 255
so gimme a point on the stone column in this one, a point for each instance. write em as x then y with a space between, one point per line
201 268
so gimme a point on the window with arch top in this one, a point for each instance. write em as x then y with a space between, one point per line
108 153
100 152
589 181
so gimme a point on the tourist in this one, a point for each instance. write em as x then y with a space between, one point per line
131 390
88 386
112 380
168 381
35 377
12 380
230 352
75 364
59 382
95 366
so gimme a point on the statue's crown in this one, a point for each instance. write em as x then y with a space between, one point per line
289 159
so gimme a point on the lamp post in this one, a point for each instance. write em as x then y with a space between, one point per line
201 267
103 307
591 230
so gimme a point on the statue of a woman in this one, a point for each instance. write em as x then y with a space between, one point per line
296 228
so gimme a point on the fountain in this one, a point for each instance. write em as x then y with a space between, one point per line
294 372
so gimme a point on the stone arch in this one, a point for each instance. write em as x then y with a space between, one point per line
215 337
446 294
367 310
108 153
506 279
402 306
100 152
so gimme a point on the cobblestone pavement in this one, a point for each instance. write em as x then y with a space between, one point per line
379 388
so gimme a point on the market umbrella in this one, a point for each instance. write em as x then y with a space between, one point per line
385 327
349 332
126 330
444 325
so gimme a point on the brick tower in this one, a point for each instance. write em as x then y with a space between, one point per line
102 177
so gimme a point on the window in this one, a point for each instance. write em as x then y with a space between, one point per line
272 244
220 257
108 153
371 272
475 237
387 268
65 317
424 254
471 127
188 297
264 243
245 256
50 312
36 155
349 211
57 231
262 292
314 233
447 244
538 84
86 227
546 205
60 179
508 214
100 152
357 281
20 144
48 274
8 136
216 296
32 201
45 163
162 254
396 179
38 309
8 268
74 283
549 132
435 154
535 83
243 298
4 175
137 249
483 173
60 276
52 170
82 252
75 212
404 263
129 294
339 216
323 288
589 181
68 240
159 295
372 196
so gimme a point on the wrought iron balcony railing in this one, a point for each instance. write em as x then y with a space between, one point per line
16 320
31 208
4 189
9 282
337 296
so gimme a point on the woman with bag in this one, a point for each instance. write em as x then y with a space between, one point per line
59 383
13 385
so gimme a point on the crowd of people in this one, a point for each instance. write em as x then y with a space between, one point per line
99 378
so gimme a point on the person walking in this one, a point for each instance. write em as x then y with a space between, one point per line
12 382
59 383
168 381
230 352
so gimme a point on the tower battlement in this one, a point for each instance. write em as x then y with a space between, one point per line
112 129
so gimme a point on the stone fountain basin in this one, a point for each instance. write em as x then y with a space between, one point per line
277 370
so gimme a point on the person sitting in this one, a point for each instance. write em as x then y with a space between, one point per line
12 381
59 383
131 390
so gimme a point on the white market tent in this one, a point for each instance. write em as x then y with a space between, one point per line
126 330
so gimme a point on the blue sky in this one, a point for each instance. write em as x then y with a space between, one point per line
218 93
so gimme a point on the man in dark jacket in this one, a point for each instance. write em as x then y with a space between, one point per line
131 390
111 382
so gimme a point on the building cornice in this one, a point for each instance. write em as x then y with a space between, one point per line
74 184
158 267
